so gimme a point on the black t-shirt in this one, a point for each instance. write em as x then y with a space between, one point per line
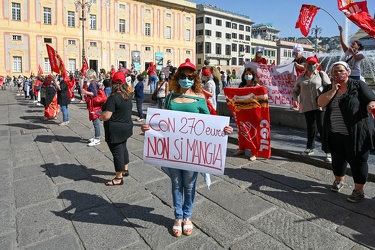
107 83
120 126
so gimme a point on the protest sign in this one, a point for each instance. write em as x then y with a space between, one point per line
188 141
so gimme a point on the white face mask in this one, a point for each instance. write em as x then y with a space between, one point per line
259 54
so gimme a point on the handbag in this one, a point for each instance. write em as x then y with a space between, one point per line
154 96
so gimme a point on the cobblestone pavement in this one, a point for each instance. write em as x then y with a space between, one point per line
52 195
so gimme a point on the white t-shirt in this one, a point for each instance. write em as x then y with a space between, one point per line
355 65
211 87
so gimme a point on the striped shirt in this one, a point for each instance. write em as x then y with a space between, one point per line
337 122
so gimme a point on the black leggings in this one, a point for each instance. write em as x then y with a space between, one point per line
120 155
342 153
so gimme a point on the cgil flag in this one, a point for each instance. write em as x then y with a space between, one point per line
56 62
357 12
306 18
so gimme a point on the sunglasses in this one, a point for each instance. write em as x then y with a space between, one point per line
190 77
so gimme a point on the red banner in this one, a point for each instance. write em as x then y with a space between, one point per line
40 71
306 18
53 59
359 15
250 110
84 68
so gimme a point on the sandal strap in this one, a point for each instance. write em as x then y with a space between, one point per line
177 228
187 227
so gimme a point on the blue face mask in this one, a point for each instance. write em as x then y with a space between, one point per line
186 83
162 76
248 77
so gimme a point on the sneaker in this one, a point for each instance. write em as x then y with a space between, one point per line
95 142
35 101
91 140
18 94
38 104
63 124
308 151
328 158
356 196
253 158
337 186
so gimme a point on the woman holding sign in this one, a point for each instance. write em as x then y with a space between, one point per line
187 97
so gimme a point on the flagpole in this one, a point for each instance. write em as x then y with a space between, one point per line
330 15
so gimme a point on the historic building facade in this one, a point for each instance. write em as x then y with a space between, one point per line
119 31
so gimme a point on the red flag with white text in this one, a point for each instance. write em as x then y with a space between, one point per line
357 12
250 110
306 18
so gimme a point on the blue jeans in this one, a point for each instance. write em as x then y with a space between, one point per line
161 103
153 80
107 91
183 186
65 113
139 102
96 124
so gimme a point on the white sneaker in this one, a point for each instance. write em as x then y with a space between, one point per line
95 142
328 158
91 140
18 94
35 101
38 104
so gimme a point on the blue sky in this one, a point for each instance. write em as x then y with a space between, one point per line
283 14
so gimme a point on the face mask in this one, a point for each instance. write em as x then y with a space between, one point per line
186 83
259 54
162 77
311 67
248 77
340 78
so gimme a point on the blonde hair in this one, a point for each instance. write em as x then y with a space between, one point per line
91 75
215 72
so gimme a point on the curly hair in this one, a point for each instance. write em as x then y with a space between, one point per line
175 86
123 89
47 81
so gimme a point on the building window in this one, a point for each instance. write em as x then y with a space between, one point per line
121 46
47 66
240 61
47 40
285 53
208 20
247 49
188 19
199 61
16 38
218 49
72 65
72 42
273 53
218 22
199 20
234 35
227 50
188 52
234 26
228 24
93 1
241 27
148 29
121 26
247 38
168 31
253 51
218 34
240 36
147 11
71 19
93 22
234 61
208 48
187 35
241 48
168 15
47 15
248 29
122 6
228 35
199 47
17 64
199 32
234 47
16 11
168 51
208 32
147 48
93 44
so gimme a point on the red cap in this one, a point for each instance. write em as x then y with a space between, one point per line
312 59
187 65
206 72
118 78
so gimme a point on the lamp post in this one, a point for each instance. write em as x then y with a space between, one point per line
316 31
83 5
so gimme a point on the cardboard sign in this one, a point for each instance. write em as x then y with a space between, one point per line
188 141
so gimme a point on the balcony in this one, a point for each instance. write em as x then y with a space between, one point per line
218 56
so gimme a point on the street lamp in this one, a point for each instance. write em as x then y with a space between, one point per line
83 5
317 31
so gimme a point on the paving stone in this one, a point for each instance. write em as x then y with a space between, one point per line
225 229
7 221
33 190
196 241
8 241
241 177
142 173
104 222
360 229
297 233
235 200
61 173
79 196
162 189
61 242
28 172
39 223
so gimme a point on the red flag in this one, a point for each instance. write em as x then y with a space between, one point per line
84 68
359 15
40 71
53 59
249 107
306 18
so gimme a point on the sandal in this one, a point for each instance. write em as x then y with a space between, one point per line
125 173
188 228
177 229
112 183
